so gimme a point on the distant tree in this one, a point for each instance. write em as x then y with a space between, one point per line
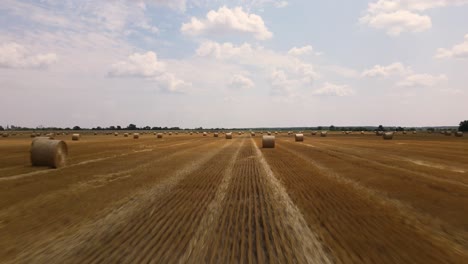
132 127
1 128
332 128
400 129
146 128
112 128
463 126
119 127
431 129
380 128
76 128
319 128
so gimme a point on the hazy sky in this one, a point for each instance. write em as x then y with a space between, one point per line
243 63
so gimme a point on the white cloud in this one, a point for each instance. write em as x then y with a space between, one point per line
146 65
397 16
330 89
179 5
396 68
425 80
397 22
306 50
240 81
283 71
223 50
281 84
458 51
228 21
13 55
281 4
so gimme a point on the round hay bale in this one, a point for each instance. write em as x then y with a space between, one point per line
299 137
269 133
136 135
215 135
379 133
387 135
125 134
170 133
448 133
314 133
459 134
239 133
159 135
268 141
404 132
47 152
33 135
362 133
252 134
116 134
414 132
191 133
229 135
75 137
205 134
323 133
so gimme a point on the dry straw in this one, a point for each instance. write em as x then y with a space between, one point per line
47 152
388 135
76 137
215 135
459 134
379 133
268 141
116 134
314 133
299 137
125 134
229 135
323 133
252 134
159 135
136 135
204 134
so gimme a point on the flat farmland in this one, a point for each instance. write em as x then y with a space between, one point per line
194 199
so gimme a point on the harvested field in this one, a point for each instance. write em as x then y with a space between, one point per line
338 199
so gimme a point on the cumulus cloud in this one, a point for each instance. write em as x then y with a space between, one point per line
227 21
14 55
146 65
223 50
330 89
397 16
396 68
422 80
282 70
458 51
306 50
397 22
241 81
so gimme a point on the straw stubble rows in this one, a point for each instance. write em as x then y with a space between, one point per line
195 199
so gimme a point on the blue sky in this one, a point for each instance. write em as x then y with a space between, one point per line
244 63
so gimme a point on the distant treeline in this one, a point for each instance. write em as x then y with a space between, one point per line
463 127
